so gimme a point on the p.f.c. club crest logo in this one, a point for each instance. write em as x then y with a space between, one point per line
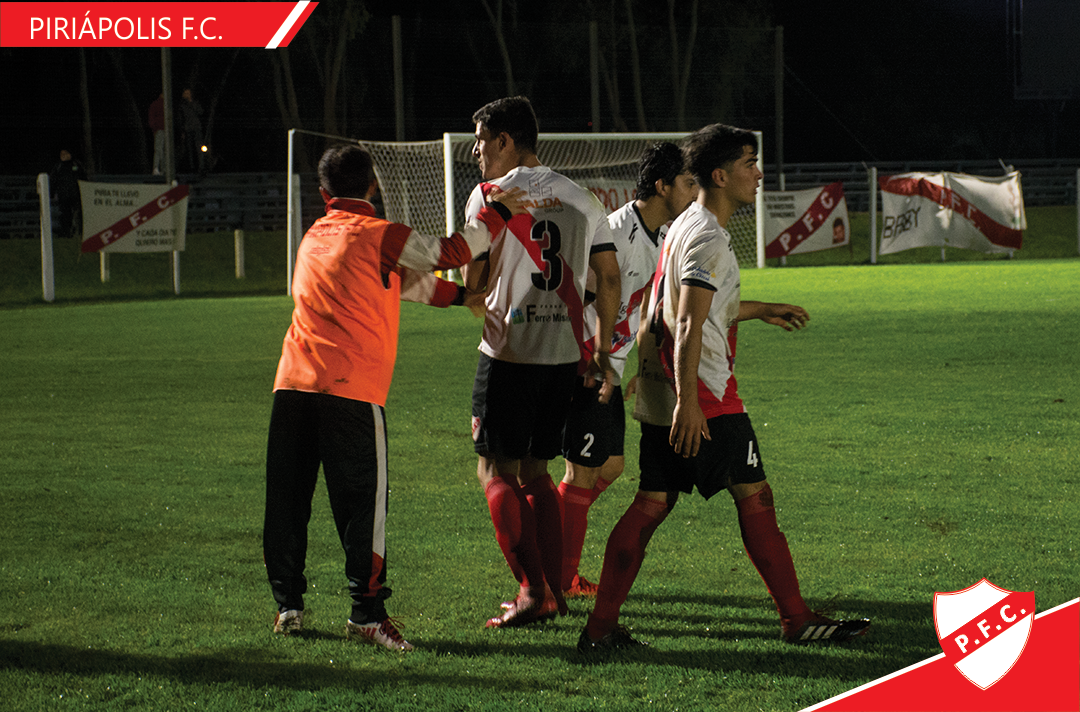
983 629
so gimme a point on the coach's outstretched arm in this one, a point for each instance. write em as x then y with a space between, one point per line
787 316
426 252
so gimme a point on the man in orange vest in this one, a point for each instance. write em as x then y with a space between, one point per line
352 271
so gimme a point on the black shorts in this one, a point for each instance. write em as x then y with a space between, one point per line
732 457
594 430
519 409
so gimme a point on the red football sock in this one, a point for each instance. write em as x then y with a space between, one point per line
622 560
544 500
768 550
576 502
515 529
599 487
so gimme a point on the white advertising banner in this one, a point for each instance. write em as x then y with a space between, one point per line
806 220
952 210
612 193
133 217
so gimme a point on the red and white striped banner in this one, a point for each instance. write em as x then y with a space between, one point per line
152 24
805 220
133 218
952 210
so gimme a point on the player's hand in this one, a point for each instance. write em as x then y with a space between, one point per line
600 368
513 199
476 302
787 316
631 388
688 427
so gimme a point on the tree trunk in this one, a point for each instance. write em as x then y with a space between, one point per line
496 17
680 67
136 114
610 73
208 132
334 62
285 94
88 134
635 61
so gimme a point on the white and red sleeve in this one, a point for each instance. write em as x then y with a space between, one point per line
426 288
414 250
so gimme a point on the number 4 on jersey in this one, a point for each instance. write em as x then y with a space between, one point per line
751 456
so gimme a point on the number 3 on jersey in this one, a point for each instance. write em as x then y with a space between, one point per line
547 234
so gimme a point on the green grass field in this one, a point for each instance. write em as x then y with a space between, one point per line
921 434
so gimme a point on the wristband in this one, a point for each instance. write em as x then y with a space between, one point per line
502 210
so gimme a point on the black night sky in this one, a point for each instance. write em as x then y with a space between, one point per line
864 81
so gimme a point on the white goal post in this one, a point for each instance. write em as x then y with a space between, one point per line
425 184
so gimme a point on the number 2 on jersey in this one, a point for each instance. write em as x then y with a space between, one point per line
547 234
589 440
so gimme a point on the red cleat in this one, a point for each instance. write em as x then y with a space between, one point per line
581 587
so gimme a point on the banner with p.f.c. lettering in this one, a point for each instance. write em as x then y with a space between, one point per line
805 220
133 217
952 210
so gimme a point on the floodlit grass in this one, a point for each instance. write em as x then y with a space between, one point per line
920 434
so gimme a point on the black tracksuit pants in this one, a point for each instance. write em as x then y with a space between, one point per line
348 438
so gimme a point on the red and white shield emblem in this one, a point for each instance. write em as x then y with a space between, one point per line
983 629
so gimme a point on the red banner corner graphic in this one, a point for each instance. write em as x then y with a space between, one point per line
1044 678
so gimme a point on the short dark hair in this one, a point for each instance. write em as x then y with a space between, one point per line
715 146
513 115
661 161
346 171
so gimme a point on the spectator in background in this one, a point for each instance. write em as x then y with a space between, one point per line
156 119
64 181
839 233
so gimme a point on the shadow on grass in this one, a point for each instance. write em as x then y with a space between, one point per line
901 636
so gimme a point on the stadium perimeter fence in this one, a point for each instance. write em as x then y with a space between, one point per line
257 202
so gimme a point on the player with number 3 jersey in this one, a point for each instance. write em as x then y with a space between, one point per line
534 275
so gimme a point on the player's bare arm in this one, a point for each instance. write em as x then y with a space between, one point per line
787 316
631 387
689 424
608 294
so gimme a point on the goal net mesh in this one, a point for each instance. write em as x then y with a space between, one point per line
413 178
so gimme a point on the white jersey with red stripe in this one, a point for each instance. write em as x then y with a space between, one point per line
538 267
638 251
698 253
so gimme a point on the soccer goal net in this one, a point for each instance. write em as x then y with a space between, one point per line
425 184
